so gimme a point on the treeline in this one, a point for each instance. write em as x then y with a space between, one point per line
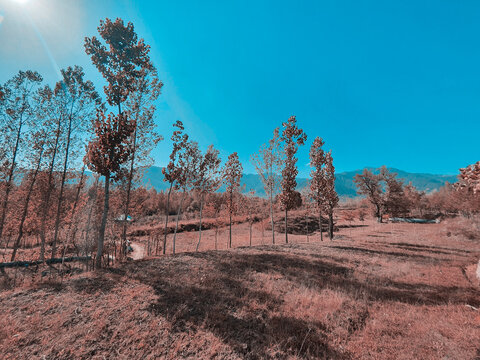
387 195
52 135
42 131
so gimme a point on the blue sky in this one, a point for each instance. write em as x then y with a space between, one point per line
383 82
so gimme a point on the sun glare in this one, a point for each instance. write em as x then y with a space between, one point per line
22 2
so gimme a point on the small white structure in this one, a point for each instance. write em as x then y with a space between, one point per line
121 218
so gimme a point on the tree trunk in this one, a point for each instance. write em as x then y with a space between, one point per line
306 222
25 209
216 235
250 234
230 210
286 226
129 189
166 219
330 225
62 186
378 214
321 225
200 226
70 233
176 225
10 177
230 232
271 218
90 212
263 231
48 195
101 235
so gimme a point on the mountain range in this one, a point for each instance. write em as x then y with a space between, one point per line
344 181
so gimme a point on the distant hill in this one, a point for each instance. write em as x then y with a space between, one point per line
344 181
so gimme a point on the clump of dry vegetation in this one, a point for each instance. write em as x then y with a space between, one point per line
468 228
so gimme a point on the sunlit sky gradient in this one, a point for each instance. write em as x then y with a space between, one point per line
383 82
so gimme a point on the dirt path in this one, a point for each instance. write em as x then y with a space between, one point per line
138 251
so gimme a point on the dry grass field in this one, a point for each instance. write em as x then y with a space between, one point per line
378 291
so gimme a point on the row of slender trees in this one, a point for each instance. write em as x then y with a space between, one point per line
41 129
44 132
191 171
275 163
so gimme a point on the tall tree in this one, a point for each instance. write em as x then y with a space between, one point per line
232 175
123 63
292 137
214 206
318 181
369 185
105 154
141 106
308 203
76 101
384 191
36 142
188 162
16 111
268 164
330 194
172 172
207 180
92 199
396 202
249 204
73 225
48 109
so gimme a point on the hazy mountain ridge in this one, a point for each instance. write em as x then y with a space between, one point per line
344 181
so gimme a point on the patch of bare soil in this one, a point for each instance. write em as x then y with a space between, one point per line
138 251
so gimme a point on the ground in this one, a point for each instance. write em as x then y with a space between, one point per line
378 291
138 251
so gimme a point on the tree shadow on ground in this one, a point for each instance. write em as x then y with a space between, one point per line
243 317
389 253
94 284
430 251
323 274
222 297
409 245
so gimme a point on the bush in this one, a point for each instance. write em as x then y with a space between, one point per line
468 228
